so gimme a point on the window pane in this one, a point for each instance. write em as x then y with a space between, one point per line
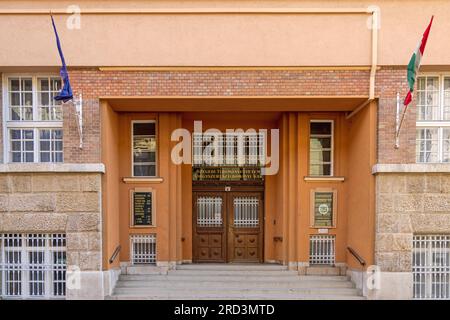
45 156
14 98
143 129
29 157
16 157
51 145
144 149
56 84
44 99
320 144
27 134
14 84
446 145
141 171
427 145
44 134
45 145
428 98
27 84
320 128
29 145
446 105
15 113
16 134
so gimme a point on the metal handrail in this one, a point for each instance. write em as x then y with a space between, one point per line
357 256
115 253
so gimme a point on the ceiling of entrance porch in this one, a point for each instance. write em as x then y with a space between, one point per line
235 103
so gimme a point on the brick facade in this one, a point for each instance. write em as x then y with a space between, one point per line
93 83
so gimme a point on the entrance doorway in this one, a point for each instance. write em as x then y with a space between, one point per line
228 225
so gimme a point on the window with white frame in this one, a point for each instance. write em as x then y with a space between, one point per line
433 119
33 119
321 148
431 266
143 148
32 265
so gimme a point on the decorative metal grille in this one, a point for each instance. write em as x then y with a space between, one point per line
229 149
33 265
246 212
209 211
143 248
322 249
431 266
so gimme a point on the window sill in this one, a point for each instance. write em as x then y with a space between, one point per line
142 180
51 167
323 179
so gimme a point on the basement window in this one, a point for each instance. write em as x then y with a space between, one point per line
431 266
32 266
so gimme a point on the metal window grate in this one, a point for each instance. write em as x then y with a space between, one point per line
33 265
322 249
209 211
246 212
431 266
143 248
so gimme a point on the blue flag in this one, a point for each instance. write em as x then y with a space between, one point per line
66 92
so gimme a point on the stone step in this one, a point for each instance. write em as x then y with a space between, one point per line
215 272
228 278
234 297
323 271
232 266
194 291
163 283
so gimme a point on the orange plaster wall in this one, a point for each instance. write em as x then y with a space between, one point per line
293 193
168 195
110 183
305 187
361 185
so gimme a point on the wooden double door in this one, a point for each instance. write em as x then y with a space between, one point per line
228 226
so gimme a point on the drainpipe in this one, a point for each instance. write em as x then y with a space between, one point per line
373 67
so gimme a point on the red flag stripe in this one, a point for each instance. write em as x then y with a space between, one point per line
408 99
425 37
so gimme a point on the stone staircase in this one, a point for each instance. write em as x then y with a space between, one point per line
230 281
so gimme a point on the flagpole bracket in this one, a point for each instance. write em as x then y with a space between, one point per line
79 114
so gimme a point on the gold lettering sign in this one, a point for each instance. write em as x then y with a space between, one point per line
226 173
142 209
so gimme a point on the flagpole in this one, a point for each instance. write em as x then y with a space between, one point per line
397 123
400 125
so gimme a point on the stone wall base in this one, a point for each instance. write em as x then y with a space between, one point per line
393 286
92 285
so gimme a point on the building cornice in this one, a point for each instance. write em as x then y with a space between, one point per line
412 168
52 167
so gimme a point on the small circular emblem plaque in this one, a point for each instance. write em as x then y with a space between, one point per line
323 209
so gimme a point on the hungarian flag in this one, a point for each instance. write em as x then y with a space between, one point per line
414 64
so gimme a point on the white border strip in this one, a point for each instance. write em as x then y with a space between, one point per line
412 168
52 167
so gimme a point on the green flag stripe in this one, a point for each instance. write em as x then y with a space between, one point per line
411 76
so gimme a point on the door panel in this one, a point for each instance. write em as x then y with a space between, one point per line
209 227
245 227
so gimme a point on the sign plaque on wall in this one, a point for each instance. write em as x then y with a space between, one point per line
142 209
226 174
